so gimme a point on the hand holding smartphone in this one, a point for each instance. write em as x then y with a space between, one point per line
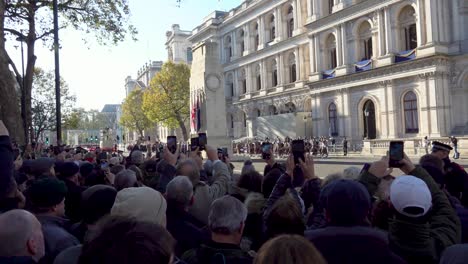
266 150
172 144
298 150
396 154
202 141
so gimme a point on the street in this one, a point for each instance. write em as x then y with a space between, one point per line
324 167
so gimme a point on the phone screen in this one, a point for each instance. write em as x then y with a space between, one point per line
194 144
202 141
172 143
298 149
266 147
396 153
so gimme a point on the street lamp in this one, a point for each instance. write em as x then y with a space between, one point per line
58 113
366 114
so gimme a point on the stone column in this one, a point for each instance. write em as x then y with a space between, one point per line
263 71
234 44
391 109
381 33
421 22
339 46
279 24
247 37
236 84
298 13
344 41
294 5
298 63
309 8
389 36
280 66
261 32
248 78
312 54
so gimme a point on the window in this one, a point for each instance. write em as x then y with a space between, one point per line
410 104
244 86
411 39
333 58
245 120
228 48
232 121
259 113
189 55
290 22
256 38
242 47
275 78
293 73
331 52
231 85
259 82
241 43
367 49
365 41
332 119
330 6
272 28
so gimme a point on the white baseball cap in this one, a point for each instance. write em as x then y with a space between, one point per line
409 191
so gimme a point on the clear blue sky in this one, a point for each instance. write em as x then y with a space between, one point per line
96 73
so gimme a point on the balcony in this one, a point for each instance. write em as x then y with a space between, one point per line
406 55
363 65
329 74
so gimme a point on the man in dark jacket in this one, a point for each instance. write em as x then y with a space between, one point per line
48 201
182 226
21 239
226 222
347 204
69 172
418 235
6 164
272 172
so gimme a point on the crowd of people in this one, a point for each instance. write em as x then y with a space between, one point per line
95 207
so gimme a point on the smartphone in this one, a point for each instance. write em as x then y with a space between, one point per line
365 168
172 143
194 142
104 166
396 154
202 141
298 150
266 148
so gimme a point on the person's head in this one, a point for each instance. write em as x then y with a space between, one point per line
410 196
116 169
269 181
125 179
331 178
251 181
434 166
346 203
21 235
285 218
138 173
90 157
137 157
179 192
47 196
226 220
351 173
114 161
288 249
122 240
70 171
440 150
96 202
142 203
189 168
42 167
248 167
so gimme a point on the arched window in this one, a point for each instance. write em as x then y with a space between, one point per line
243 82
293 73
274 73
410 104
290 21
275 77
332 119
228 48
257 37
331 51
292 68
258 77
365 41
259 113
272 28
232 122
407 25
241 42
230 85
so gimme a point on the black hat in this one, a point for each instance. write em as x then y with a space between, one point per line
41 166
47 192
96 202
69 169
440 146
86 169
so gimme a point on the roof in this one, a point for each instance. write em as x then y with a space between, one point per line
110 108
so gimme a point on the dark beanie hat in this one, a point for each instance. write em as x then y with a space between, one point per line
69 169
86 169
347 202
47 192
96 202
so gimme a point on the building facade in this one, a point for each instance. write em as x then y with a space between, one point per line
364 69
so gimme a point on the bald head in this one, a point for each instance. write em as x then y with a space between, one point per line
21 235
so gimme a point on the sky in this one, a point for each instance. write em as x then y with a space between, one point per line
96 74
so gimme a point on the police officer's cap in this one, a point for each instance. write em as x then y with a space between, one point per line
440 146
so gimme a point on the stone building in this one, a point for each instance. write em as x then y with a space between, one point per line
364 69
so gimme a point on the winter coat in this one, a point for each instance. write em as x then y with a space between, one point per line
56 237
214 253
356 244
421 240
70 255
6 164
184 228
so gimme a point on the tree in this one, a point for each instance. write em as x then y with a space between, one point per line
43 108
133 117
167 100
9 90
31 20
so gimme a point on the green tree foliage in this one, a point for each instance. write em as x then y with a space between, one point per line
167 100
43 105
32 20
133 117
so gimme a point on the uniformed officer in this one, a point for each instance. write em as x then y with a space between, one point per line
456 178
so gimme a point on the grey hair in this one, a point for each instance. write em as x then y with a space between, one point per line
194 175
179 191
352 173
125 179
227 214
17 229
332 177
